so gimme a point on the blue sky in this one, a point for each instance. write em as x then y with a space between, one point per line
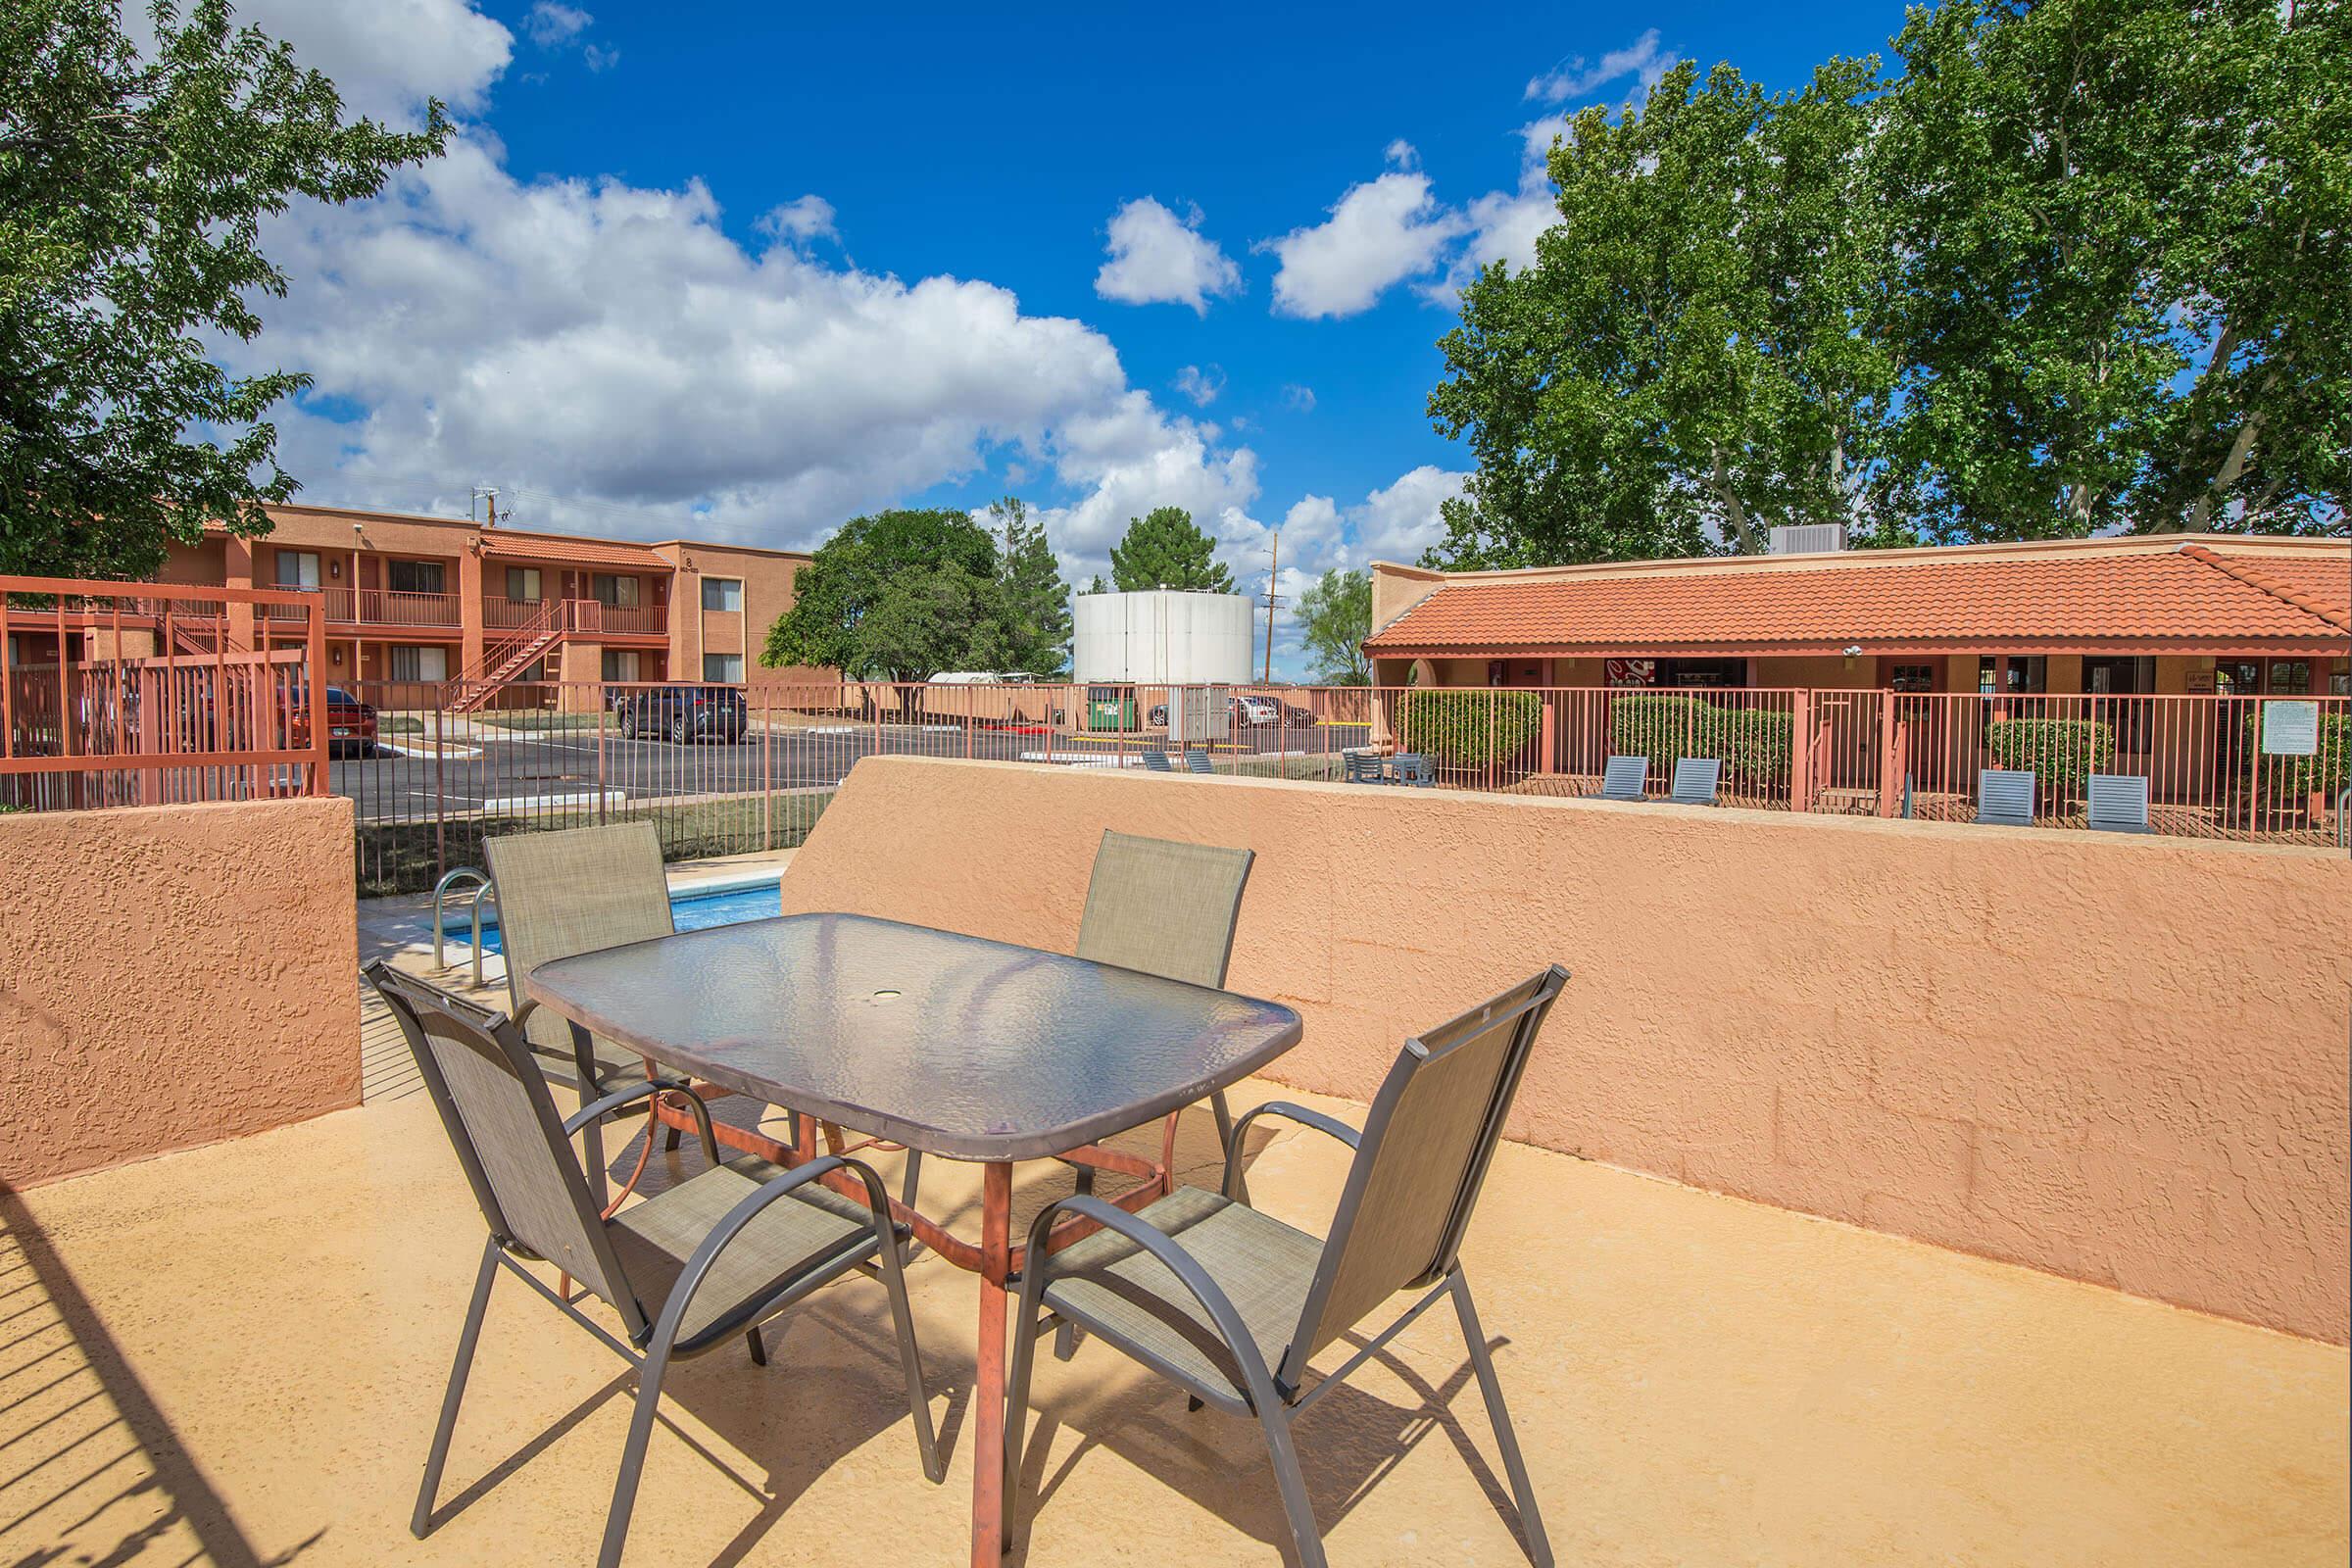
743 270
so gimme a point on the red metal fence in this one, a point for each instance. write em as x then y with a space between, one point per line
113 694
751 768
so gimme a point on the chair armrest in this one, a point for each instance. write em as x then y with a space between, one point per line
1330 1126
600 1109
1179 1262
698 1266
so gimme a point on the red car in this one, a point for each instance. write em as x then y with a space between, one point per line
350 724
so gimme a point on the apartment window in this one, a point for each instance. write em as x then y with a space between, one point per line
2028 673
727 667
420 664
620 664
522 584
619 593
723 593
2237 677
2291 677
414 576
298 568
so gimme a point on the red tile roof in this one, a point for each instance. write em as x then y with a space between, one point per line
588 552
2182 598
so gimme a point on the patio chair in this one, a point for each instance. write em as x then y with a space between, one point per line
1415 770
1623 778
1157 762
2005 797
1696 780
1231 1303
1163 908
2119 802
1361 767
687 1270
1195 760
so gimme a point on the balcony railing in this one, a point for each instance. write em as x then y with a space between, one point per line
587 617
378 606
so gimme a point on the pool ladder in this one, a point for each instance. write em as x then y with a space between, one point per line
457 880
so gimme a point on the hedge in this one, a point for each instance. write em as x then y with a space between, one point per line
1753 743
2060 753
1470 728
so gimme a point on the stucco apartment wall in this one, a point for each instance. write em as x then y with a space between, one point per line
172 976
2122 1060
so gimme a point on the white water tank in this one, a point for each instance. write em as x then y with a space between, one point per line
1161 638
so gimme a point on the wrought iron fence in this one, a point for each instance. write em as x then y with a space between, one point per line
119 695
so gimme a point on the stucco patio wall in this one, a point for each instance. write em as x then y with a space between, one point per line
2120 1060
170 976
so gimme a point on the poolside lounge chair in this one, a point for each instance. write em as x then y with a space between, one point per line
1163 1285
1157 762
2005 797
1623 778
705 1261
1195 760
1415 770
1695 780
2119 802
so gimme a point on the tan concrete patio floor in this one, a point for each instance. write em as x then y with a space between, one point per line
233 1356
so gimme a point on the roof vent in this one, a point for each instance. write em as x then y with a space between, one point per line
1806 539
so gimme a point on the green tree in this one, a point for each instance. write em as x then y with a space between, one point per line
897 596
132 190
1335 617
1165 549
1036 601
2080 265
1683 364
2121 234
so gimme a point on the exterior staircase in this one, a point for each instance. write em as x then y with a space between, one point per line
502 662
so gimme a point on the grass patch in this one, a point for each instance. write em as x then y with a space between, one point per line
535 718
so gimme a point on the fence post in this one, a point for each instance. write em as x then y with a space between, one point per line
440 799
602 709
767 780
1800 750
1890 791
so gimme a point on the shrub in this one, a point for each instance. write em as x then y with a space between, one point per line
1752 742
1469 728
2060 753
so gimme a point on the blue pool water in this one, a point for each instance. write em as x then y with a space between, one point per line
692 910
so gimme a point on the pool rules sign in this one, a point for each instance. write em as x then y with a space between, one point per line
2289 728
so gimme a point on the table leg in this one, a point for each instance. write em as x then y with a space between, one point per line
988 1393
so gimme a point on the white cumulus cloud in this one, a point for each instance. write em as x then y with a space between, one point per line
1200 386
551 24
1159 257
1376 235
386 57
1643 58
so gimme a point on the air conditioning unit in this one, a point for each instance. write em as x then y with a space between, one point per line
1807 539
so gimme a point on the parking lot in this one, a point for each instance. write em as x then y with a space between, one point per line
522 770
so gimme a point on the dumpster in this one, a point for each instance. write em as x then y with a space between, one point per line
1111 709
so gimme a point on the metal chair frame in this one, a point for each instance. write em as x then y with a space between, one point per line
1278 1396
653 1338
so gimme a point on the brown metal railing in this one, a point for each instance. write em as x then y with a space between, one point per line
108 697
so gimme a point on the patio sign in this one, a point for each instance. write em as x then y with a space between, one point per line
2289 728
1633 672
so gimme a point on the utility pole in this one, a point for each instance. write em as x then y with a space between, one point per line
489 493
1273 576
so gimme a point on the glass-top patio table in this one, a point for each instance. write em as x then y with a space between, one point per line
950 1045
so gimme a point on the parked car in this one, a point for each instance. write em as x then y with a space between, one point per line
686 714
350 723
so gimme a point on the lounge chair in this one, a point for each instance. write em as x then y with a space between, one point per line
2005 797
1157 762
1623 778
1695 780
701 1263
1195 760
1162 1285
1415 770
2119 802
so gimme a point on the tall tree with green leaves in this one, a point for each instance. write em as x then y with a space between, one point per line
1165 549
2078 266
132 190
1036 599
897 596
1335 617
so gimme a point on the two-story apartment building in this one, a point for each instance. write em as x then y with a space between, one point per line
434 605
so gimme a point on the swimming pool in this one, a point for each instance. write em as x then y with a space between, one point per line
694 908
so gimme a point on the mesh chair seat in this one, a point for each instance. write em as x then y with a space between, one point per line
790 1239
1123 1293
